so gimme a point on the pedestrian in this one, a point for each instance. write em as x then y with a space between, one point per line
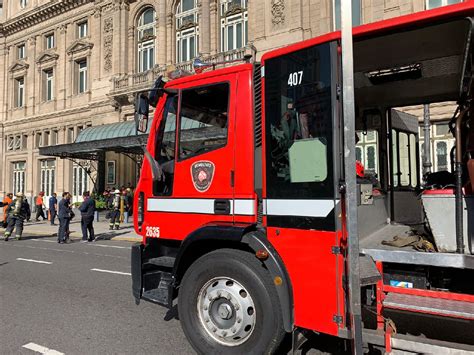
87 209
6 202
39 203
53 208
114 206
18 211
64 215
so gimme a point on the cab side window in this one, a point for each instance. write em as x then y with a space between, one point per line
165 148
203 119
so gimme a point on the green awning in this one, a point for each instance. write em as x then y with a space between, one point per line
93 142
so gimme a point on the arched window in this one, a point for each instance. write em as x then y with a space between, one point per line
234 27
187 30
146 40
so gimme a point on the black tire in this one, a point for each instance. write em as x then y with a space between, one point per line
247 270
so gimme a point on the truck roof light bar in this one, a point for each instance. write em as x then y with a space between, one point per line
404 72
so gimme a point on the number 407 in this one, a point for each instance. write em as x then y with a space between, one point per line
295 78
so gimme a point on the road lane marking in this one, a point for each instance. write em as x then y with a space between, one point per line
43 240
35 261
64 251
108 246
41 349
112 272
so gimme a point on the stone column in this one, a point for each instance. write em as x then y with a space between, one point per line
31 79
171 38
96 33
204 28
62 80
214 27
161 32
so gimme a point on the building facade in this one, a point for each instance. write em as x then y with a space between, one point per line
72 64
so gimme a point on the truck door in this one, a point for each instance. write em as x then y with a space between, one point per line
301 198
197 154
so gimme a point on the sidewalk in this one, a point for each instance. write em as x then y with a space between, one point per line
101 228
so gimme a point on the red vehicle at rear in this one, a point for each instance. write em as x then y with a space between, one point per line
242 196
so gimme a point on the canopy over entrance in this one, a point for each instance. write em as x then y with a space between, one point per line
93 142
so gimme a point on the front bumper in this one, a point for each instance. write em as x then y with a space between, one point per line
137 250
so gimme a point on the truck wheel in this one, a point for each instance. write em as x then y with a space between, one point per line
228 304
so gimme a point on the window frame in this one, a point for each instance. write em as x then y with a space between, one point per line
184 34
23 3
20 92
82 72
50 41
21 51
18 176
233 20
111 164
48 86
47 175
82 29
178 120
149 44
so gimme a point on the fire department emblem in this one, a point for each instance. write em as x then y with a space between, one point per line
202 173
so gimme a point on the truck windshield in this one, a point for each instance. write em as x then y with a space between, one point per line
299 124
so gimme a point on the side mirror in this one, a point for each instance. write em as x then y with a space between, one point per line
142 110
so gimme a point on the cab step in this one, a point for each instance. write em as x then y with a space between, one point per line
163 293
430 305
163 261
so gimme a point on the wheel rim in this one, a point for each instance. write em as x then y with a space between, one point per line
226 311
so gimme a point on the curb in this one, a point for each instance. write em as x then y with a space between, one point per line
118 238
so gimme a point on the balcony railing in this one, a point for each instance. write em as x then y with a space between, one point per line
136 81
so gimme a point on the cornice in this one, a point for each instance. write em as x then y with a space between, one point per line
40 14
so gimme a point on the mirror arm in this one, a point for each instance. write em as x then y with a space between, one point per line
156 170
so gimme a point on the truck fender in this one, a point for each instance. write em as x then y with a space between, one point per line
254 240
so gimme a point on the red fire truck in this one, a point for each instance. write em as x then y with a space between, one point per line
242 200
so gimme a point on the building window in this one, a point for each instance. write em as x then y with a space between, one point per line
23 3
19 169
187 30
49 41
19 142
111 172
79 181
356 13
367 151
234 24
48 172
54 137
21 53
20 92
38 139
48 84
81 76
70 135
146 40
431 4
82 29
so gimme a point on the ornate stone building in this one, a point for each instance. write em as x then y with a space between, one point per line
67 65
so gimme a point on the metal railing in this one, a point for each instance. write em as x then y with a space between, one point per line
127 82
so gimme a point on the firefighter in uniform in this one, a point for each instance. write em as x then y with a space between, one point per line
17 211
114 205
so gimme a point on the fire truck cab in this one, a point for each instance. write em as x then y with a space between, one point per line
241 199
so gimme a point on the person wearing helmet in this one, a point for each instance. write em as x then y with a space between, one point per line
18 211
114 206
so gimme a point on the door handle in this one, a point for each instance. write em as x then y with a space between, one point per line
221 206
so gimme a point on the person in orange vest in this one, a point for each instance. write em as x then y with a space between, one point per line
6 201
39 203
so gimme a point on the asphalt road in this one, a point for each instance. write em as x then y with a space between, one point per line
50 297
